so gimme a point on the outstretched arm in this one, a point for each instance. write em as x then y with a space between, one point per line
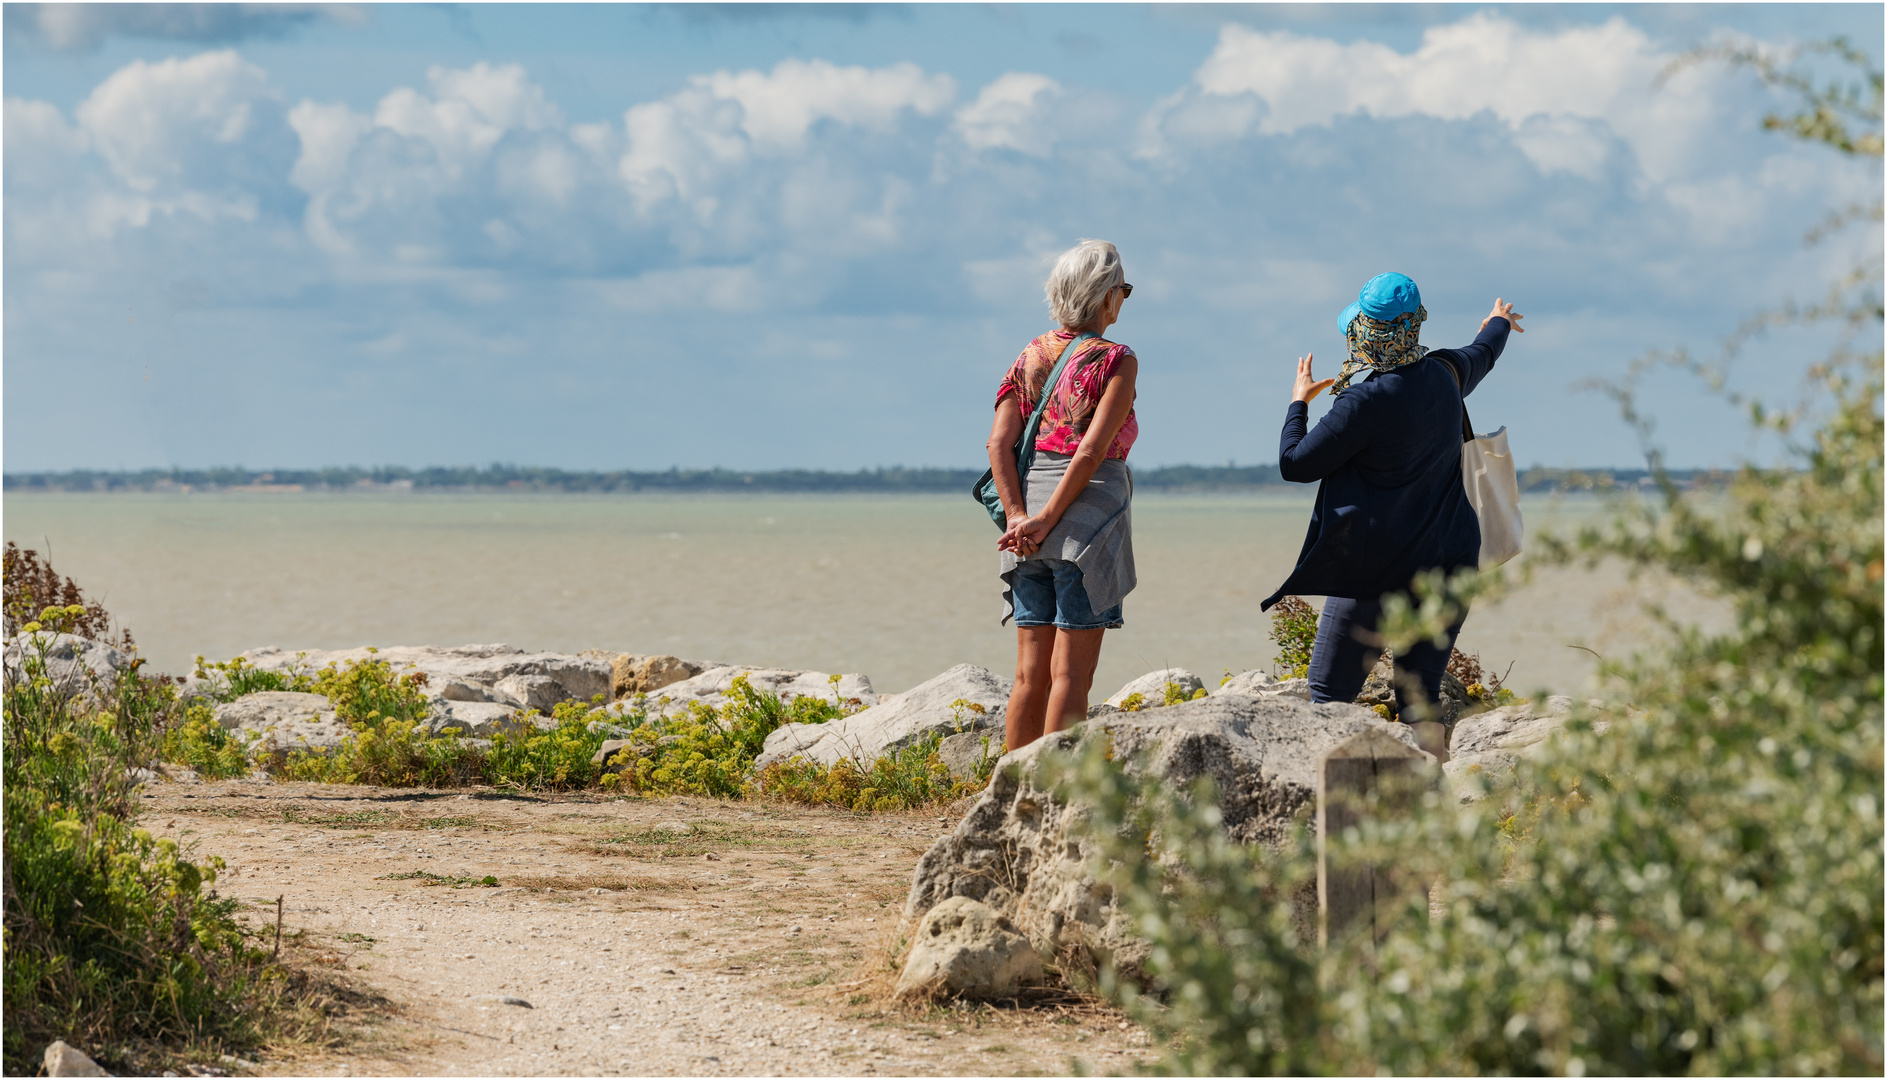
1473 362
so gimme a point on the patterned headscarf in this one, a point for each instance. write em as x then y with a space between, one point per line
1381 345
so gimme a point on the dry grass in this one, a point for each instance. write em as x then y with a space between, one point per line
613 882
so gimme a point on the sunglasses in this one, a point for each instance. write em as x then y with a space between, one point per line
1126 290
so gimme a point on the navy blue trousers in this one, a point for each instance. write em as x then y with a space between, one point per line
1343 656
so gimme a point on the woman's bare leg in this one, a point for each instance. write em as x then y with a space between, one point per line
1028 702
1077 652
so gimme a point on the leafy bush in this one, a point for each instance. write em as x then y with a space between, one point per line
1294 629
230 679
1697 890
707 751
31 585
197 740
905 779
557 759
115 941
391 744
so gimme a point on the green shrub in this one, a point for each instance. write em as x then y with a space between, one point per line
706 751
1294 629
1699 889
557 759
115 941
905 779
391 744
230 679
197 740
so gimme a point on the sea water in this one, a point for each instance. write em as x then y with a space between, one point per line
897 587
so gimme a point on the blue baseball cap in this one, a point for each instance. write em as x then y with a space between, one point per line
1383 297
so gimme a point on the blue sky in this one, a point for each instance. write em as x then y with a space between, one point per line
634 237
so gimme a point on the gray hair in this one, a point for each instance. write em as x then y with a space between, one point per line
1080 281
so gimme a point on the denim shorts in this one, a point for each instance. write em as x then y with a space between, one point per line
1048 592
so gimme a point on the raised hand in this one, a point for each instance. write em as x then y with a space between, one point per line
1504 310
1308 386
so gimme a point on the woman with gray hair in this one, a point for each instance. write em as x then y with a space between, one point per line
1067 549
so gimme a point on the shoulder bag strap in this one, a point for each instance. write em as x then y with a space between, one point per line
1467 429
1025 448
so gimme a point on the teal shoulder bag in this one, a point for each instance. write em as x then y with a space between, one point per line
985 489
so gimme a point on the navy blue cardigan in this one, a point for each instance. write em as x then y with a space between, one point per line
1389 454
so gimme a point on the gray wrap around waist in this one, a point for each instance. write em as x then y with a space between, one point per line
1096 534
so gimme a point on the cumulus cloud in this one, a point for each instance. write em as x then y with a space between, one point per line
681 143
1545 86
72 27
1008 114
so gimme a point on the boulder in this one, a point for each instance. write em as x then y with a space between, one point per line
1152 687
474 719
1016 851
710 687
540 692
968 949
963 752
1379 689
64 1060
1492 742
480 667
285 721
868 735
451 689
632 674
1264 684
73 663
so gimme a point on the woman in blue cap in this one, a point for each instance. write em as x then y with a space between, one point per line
1391 503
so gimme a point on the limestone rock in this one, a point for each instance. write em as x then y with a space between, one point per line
479 666
285 721
1492 742
1264 684
74 664
1379 689
632 674
868 735
540 692
963 752
1152 687
710 687
451 689
64 1060
1016 852
474 719
968 949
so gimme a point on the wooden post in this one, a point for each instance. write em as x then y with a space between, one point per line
1371 772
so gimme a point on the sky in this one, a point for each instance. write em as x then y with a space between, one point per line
637 237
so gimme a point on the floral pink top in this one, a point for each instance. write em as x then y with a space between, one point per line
1072 406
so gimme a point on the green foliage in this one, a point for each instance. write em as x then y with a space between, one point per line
29 585
369 691
1696 890
1294 629
908 778
1174 694
197 740
114 940
230 679
706 751
391 744
556 759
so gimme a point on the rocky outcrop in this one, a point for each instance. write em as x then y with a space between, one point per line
968 949
1152 687
1379 689
710 687
494 673
1017 850
1491 743
1264 684
476 719
868 735
631 673
65 1060
74 664
284 721
965 751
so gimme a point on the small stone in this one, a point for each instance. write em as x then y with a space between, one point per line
793 930
677 827
968 948
64 1060
506 1000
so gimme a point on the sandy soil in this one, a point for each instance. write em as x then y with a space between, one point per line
649 936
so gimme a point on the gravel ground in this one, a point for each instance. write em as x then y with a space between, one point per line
649 936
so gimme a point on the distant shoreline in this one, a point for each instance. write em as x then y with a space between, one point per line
503 479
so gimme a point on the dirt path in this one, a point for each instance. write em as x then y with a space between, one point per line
655 936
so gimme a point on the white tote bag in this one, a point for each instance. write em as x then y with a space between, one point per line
1493 487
